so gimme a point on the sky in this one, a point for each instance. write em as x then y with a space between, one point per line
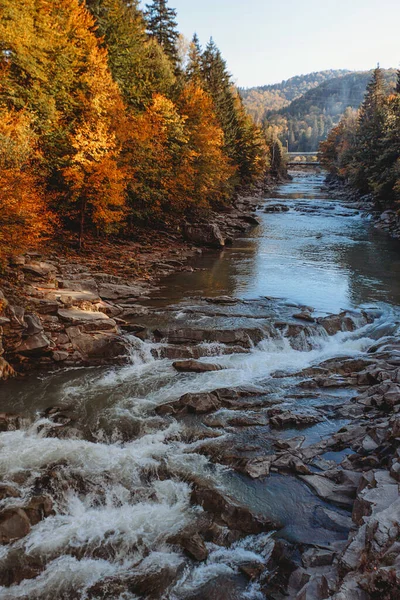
267 41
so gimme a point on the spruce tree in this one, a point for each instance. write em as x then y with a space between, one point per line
138 64
162 25
370 131
193 69
398 82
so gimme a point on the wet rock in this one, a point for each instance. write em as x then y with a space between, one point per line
10 422
330 491
14 525
231 514
375 499
204 234
194 366
335 323
281 418
7 491
102 345
304 316
192 403
273 208
38 508
194 546
317 557
259 467
239 337
291 462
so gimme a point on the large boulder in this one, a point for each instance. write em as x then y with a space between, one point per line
98 346
14 525
207 234
34 345
195 366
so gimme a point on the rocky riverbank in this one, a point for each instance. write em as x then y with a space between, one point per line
63 309
387 221
261 433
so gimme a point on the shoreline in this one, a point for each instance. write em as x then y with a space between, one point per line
67 308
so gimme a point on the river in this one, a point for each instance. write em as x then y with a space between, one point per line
121 471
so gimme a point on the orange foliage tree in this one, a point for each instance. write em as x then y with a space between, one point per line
24 218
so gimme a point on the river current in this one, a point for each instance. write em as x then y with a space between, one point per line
125 473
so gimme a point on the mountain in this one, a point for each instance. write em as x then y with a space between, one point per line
260 100
306 121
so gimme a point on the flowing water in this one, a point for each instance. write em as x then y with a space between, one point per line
122 474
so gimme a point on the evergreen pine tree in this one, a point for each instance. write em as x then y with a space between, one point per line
162 25
398 82
138 64
193 69
370 131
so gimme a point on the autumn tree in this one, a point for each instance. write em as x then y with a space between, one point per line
54 68
138 64
24 217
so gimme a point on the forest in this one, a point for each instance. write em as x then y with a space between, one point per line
305 121
264 99
110 121
364 148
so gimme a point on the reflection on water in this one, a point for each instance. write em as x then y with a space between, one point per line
320 253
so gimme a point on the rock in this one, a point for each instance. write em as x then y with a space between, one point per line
375 499
40 270
258 467
290 462
98 320
207 234
251 219
14 525
75 298
34 324
192 403
34 345
102 345
272 208
194 366
335 323
195 547
229 512
10 422
60 356
281 418
7 491
317 557
304 316
80 285
38 508
233 337
115 292
329 490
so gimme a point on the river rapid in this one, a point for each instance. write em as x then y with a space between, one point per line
121 470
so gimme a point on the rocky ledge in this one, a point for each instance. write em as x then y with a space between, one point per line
60 309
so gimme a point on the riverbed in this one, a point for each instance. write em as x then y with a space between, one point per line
121 470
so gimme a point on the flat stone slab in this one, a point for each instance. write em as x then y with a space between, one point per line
114 291
72 296
77 316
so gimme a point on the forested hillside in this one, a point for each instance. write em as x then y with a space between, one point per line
261 100
364 148
307 120
102 128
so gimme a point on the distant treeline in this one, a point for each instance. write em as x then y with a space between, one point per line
108 119
306 121
364 148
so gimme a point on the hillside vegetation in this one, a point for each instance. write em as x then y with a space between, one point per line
261 100
104 125
307 120
364 148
